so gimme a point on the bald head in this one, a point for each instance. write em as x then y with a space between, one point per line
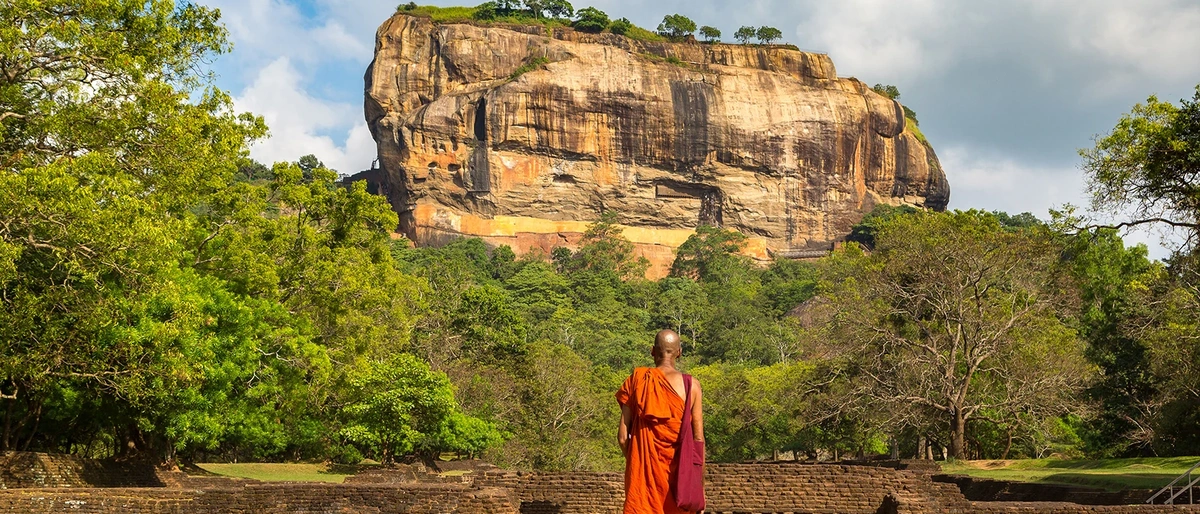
666 346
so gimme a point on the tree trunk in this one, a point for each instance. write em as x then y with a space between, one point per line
922 448
7 426
37 420
1007 444
958 431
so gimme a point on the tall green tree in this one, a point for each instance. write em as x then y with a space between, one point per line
108 139
768 34
952 316
1147 165
590 19
400 407
560 8
711 34
676 26
745 34
1145 169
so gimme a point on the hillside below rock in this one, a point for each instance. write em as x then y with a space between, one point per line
523 136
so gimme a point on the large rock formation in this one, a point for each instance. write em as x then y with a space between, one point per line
523 136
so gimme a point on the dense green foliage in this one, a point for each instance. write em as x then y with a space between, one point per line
768 34
1149 164
1147 167
953 317
676 26
551 13
591 19
745 34
163 294
710 34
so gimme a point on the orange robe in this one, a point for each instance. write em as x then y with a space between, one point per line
657 412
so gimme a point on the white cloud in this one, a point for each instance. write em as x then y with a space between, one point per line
263 30
1133 42
297 119
1002 184
878 38
996 183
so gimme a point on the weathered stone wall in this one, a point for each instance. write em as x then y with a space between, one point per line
767 488
279 498
30 469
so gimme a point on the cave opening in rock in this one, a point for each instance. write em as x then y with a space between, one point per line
481 120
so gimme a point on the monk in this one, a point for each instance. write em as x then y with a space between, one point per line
652 403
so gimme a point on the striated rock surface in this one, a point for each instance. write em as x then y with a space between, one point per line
523 137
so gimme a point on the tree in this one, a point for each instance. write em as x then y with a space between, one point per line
152 299
252 170
710 34
535 7
559 8
864 231
676 26
308 165
604 250
1120 292
1149 166
887 90
768 34
620 26
486 11
953 317
684 307
400 407
745 34
707 252
108 141
590 19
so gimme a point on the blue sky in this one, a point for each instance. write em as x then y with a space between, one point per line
1007 91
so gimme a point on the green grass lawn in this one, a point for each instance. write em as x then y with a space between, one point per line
1110 474
271 472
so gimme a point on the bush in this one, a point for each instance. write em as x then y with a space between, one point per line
676 26
410 6
887 90
485 12
591 19
620 27
534 64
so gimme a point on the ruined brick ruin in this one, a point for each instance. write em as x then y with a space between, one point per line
774 488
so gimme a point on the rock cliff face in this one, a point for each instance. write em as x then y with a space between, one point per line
523 137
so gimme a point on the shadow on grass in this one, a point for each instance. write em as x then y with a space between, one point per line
1111 481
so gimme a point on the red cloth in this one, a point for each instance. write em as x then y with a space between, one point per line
657 412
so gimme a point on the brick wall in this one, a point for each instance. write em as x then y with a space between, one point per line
769 488
277 498
30 469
